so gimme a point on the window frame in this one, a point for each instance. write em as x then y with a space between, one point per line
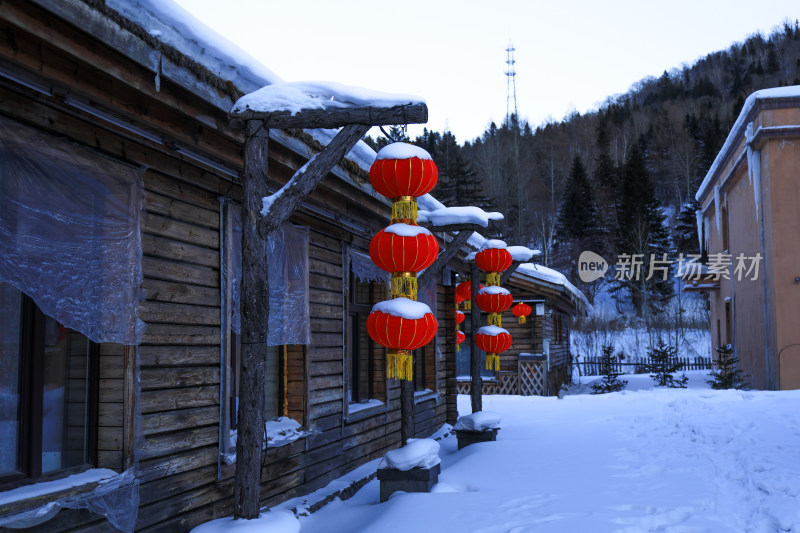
31 407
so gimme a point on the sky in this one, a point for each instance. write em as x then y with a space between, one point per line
570 55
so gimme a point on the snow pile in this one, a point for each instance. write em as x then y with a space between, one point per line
406 230
522 253
423 453
94 475
284 430
271 521
493 243
668 460
459 215
402 151
297 96
402 307
480 421
493 289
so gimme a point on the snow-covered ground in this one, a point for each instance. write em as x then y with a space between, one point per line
665 460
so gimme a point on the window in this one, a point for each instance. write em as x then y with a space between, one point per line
725 230
289 324
365 369
47 392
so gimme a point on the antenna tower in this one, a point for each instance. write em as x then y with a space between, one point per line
511 82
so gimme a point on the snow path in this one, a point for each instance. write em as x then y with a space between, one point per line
691 460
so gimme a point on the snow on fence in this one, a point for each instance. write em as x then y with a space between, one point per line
592 366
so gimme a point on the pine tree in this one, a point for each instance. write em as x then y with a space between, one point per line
641 232
577 215
727 375
610 381
684 232
664 364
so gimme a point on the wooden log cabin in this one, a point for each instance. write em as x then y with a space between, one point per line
102 114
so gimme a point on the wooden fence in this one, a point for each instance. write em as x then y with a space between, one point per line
591 366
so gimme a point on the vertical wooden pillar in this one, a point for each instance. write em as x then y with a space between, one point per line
476 390
254 315
406 410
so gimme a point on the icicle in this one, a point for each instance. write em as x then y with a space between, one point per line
700 233
718 209
753 165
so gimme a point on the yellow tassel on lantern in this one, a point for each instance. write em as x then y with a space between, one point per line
522 319
495 319
458 348
493 362
404 208
493 278
400 365
404 284
467 305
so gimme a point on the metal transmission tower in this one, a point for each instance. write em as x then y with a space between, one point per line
511 85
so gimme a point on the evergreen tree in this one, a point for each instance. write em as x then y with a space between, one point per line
684 232
610 381
664 364
727 375
577 215
641 234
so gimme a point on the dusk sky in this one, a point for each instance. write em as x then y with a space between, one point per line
570 55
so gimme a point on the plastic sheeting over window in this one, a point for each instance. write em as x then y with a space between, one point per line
365 270
69 232
289 317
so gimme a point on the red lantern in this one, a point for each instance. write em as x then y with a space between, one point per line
464 291
404 249
493 340
493 260
522 310
494 300
403 170
401 325
460 337
459 317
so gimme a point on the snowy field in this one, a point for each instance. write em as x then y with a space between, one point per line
690 460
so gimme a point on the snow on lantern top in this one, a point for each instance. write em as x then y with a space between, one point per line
406 230
493 289
492 331
403 308
402 151
493 243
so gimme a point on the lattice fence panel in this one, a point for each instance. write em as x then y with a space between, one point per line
532 378
506 383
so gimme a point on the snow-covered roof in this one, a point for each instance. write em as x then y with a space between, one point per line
555 278
522 253
174 26
791 92
304 95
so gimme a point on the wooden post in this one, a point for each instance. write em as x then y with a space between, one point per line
476 389
406 411
254 315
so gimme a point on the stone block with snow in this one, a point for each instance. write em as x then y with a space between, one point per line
412 468
477 427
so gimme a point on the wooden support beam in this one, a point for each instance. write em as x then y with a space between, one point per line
307 178
335 118
476 390
448 253
506 275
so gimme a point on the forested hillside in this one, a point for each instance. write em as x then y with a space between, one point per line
659 138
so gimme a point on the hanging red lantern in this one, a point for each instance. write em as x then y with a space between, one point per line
401 172
493 259
460 337
401 325
459 317
464 291
494 300
404 249
493 340
522 310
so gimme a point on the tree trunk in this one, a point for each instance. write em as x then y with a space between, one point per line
255 312
476 390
